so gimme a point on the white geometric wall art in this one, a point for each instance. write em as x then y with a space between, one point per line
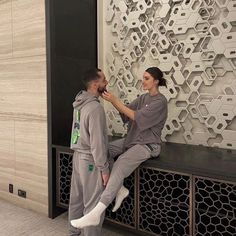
194 43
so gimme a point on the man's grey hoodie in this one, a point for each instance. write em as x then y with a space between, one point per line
89 131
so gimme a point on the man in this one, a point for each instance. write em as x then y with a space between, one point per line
89 142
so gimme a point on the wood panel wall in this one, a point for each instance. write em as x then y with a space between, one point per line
23 105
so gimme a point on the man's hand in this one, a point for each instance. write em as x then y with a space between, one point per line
105 178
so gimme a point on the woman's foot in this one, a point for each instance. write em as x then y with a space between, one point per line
121 195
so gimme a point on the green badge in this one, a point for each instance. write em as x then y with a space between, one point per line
90 167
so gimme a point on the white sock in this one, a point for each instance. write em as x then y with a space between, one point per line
121 195
90 219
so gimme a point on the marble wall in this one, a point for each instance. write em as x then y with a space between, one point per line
23 105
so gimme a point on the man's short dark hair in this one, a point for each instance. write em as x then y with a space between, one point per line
90 75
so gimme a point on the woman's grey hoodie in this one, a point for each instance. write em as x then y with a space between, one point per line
89 130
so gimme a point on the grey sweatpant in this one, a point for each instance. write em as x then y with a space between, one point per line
126 163
86 189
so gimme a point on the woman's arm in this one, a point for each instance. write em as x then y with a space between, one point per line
118 105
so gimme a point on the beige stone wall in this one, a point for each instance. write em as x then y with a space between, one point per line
23 103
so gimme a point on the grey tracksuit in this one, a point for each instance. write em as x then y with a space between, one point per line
89 142
142 141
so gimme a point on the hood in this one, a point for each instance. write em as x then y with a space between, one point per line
83 98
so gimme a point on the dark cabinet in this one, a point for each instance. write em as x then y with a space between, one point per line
164 202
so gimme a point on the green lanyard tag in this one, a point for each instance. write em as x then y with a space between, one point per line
75 136
76 132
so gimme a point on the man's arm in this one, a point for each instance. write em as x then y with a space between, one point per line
98 141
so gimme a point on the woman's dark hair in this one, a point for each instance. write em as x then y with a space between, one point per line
157 74
90 75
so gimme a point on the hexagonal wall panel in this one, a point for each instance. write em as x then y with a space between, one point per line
194 43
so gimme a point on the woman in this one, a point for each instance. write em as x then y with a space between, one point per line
146 117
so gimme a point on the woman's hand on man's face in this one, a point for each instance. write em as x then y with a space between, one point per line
108 96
